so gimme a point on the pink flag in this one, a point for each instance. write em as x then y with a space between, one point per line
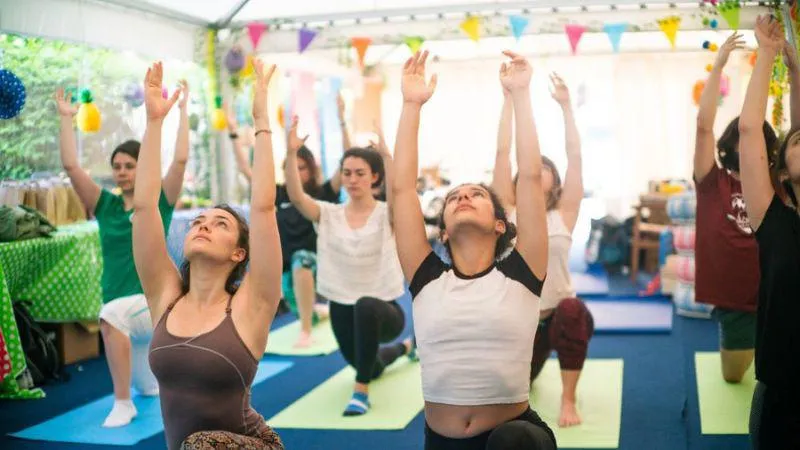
255 30
574 33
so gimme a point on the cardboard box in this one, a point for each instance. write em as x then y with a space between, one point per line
78 341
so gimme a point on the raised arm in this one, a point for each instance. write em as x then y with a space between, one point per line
159 277
409 225
88 191
388 162
704 140
304 203
572 193
531 219
263 282
502 181
239 150
336 178
173 181
754 168
790 59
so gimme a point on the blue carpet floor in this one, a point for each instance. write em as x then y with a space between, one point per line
659 410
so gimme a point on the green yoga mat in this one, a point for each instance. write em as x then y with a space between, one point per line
395 398
281 341
724 407
599 402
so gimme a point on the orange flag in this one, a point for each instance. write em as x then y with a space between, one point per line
361 44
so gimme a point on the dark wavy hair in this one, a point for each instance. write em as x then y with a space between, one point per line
787 184
372 158
236 275
727 144
312 187
504 241
130 147
554 196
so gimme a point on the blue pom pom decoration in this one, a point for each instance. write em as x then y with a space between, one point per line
706 44
714 23
12 95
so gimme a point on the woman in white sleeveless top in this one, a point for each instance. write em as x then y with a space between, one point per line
565 325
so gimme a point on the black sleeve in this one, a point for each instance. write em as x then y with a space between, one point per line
430 269
776 227
515 267
281 195
327 194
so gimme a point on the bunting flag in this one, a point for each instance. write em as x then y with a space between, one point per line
414 43
574 33
255 30
669 26
361 44
730 12
518 25
614 32
304 38
472 26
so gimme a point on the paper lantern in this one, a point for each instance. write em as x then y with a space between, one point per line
697 91
12 95
752 59
247 70
218 121
235 60
88 115
134 95
281 117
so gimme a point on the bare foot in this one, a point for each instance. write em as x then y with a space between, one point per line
304 340
408 345
569 414
323 311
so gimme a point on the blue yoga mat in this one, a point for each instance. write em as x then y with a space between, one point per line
632 316
589 284
83 425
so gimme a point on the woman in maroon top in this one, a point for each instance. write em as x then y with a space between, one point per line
725 248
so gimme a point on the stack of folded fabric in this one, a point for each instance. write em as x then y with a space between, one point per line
682 211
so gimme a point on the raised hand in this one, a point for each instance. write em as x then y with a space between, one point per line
506 92
184 94
415 89
340 106
155 104
734 42
293 141
260 88
559 90
769 33
380 146
790 57
516 74
64 103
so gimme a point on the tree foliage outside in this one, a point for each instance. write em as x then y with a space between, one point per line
29 143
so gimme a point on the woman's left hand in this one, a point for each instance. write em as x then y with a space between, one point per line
260 92
155 104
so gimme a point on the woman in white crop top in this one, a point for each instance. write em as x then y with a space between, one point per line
475 320
565 324
357 266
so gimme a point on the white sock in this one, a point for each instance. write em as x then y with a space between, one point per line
121 414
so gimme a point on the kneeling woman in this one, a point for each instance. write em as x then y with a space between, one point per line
209 334
476 320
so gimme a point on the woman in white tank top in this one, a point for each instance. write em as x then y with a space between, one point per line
475 319
566 325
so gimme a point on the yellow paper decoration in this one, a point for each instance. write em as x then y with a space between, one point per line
472 26
247 71
218 121
88 117
669 26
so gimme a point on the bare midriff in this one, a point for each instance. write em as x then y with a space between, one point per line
460 422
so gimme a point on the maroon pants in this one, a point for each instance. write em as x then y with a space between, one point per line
567 331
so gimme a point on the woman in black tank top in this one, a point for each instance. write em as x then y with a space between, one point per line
210 329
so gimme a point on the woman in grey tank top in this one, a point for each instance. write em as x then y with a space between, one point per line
210 329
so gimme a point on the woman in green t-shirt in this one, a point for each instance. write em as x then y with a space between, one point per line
124 319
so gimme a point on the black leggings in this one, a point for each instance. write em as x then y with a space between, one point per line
360 328
526 432
774 419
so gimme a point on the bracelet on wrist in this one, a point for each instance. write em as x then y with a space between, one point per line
265 130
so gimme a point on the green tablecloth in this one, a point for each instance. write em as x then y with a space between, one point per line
59 276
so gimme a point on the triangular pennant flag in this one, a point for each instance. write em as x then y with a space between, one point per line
518 25
255 30
304 38
361 44
574 33
730 12
472 26
614 32
414 43
669 27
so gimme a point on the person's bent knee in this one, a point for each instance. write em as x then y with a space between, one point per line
366 305
519 435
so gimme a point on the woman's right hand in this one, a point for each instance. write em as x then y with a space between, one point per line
155 104
415 89
293 141
64 104
734 42
769 33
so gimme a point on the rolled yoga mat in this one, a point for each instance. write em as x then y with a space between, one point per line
631 316
599 403
281 341
395 399
589 285
724 407
83 425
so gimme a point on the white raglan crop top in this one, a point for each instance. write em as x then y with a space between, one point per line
475 333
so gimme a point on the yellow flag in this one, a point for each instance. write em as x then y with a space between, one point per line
669 26
472 26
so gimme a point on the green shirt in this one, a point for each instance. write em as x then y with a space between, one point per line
116 241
